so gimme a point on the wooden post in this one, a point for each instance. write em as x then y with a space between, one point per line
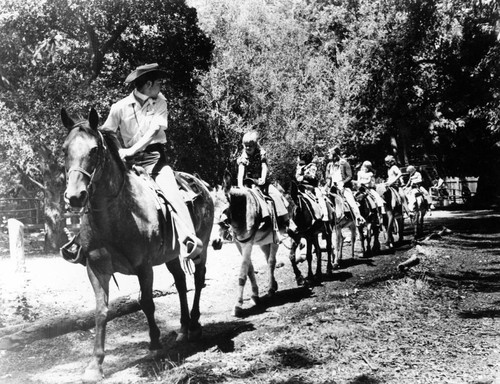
16 244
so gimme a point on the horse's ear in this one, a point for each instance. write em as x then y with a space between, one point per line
226 181
93 119
67 121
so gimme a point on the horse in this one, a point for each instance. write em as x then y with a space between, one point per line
370 228
245 220
342 219
394 214
421 207
122 230
309 228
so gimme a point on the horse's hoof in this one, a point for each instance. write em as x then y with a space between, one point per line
195 333
335 266
300 281
256 298
93 375
238 311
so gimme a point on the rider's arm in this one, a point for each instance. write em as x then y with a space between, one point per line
299 175
159 122
396 175
347 172
241 174
263 174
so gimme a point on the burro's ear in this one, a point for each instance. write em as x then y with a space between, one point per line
67 121
93 119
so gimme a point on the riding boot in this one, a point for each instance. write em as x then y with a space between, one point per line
191 245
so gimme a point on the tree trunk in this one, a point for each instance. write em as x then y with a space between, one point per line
57 326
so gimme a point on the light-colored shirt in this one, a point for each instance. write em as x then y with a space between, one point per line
393 174
415 179
134 121
365 178
339 171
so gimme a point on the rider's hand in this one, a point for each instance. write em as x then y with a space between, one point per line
125 152
260 181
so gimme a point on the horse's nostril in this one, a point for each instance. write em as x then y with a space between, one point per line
76 200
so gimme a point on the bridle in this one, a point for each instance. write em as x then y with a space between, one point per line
96 173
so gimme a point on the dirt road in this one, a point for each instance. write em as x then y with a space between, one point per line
369 323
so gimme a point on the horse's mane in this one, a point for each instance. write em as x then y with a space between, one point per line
113 144
110 140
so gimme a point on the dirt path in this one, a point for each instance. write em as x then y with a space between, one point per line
367 324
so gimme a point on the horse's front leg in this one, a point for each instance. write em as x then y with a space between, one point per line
390 225
317 248
292 256
401 222
245 269
362 239
309 245
329 266
353 241
376 241
270 251
145 275
100 284
195 329
339 242
175 269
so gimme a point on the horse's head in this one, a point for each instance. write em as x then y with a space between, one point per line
83 151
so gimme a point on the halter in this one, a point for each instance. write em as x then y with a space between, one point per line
96 173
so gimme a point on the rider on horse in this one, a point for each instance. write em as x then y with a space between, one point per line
339 177
366 179
141 120
306 173
394 179
252 164
414 186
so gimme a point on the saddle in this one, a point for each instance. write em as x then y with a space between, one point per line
269 217
312 203
364 195
390 194
189 191
339 205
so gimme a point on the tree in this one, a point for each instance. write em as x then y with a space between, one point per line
75 53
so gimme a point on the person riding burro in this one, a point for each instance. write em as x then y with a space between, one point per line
414 187
307 175
394 180
141 120
366 181
253 171
339 179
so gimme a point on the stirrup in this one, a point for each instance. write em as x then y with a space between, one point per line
193 247
72 252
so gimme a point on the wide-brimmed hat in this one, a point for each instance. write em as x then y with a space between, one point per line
142 70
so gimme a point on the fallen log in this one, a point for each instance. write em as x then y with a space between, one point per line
69 323
411 262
